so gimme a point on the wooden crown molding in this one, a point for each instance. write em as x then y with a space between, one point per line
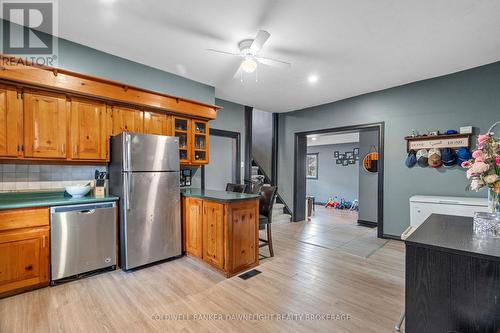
17 70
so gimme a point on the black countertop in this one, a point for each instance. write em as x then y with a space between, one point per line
454 234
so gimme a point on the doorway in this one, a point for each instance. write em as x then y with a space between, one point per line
301 170
225 157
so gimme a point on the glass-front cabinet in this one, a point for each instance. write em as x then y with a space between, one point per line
182 130
200 142
193 137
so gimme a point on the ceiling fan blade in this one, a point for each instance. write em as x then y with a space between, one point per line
260 39
239 73
274 62
224 52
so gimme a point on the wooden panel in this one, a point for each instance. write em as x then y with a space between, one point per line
45 125
244 235
88 86
89 136
155 123
213 233
9 122
24 259
170 126
127 120
193 226
23 218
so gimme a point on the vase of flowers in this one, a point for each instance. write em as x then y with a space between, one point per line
483 171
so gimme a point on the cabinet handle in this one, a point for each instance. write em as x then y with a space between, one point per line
63 149
75 150
29 267
44 241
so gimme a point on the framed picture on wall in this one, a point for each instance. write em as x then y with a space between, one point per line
352 161
336 154
341 156
345 162
349 154
338 161
312 166
355 151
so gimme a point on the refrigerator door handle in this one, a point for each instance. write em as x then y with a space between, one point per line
128 151
126 190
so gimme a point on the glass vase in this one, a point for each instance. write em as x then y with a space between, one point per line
488 224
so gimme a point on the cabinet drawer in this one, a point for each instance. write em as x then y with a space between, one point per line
24 218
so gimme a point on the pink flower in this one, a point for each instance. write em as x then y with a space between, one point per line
479 167
483 138
470 173
478 154
497 160
466 164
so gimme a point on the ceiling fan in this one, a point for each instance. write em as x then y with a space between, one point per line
249 52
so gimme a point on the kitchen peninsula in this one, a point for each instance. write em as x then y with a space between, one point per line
221 228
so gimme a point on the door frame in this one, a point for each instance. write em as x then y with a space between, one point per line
231 135
299 181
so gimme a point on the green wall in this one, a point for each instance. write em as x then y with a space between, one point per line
83 59
470 97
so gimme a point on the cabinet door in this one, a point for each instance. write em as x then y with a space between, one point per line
45 125
88 130
155 123
127 120
24 258
245 232
200 141
213 233
9 122
193 226
182 130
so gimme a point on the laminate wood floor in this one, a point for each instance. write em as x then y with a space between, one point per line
361 294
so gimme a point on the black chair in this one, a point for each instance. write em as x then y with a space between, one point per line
267 198
240 188
253 188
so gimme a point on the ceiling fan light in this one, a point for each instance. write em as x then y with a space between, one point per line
249 65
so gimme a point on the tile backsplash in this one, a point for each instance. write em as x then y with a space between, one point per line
22 177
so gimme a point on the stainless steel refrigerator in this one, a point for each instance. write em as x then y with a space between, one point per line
144 173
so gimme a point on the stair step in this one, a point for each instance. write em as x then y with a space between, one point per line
282 218
278 206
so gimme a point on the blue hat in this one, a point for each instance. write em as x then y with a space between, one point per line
449 157
411 159
463 154
451 132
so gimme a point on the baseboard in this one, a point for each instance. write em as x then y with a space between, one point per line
398 238
367 223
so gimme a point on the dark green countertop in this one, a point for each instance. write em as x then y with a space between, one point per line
42 199
221 196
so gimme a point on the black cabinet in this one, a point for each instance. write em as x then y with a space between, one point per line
455 286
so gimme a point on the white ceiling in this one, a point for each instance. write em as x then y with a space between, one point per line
354 47
332 139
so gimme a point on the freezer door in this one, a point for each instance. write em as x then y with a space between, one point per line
151 219
143 152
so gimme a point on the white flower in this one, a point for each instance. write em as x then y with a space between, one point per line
490 179
476 184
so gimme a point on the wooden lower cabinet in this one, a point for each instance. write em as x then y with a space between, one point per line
24 250
213 233
193 226
229 233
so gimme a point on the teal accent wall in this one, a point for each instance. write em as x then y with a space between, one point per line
470 97
86 60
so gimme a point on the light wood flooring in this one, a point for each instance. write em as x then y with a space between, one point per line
366 290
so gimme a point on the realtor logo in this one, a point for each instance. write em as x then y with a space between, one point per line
28 30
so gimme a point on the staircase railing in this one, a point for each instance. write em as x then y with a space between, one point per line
268 180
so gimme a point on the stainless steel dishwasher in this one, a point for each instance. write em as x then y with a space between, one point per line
83 240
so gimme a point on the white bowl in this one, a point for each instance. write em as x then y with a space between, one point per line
77 191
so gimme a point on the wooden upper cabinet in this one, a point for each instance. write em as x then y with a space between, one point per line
45 125
127 120
157 123
10 113
89 135
213 233
182 130
200 140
